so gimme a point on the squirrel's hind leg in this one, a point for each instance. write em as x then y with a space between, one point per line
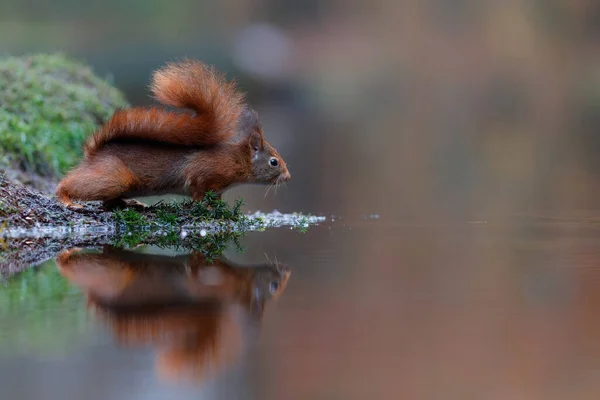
106 179
63 196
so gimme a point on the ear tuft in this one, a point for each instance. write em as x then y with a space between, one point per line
256 141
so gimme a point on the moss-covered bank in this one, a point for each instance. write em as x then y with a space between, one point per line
49 104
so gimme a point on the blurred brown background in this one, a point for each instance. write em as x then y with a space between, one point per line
403 108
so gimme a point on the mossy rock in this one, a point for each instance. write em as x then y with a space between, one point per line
49 104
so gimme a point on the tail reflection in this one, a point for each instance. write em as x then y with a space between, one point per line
198 316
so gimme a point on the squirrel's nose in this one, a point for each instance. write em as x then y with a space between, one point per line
286 176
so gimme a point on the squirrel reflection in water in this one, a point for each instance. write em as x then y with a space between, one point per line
199 316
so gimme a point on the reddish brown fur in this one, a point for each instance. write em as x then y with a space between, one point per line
143 169
141 152
189 84
124 278
192 84
171 303
90 180
156 125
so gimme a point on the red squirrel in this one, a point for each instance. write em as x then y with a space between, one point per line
152 151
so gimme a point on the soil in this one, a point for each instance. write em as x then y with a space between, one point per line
22 207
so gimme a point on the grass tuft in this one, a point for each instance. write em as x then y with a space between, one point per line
161 225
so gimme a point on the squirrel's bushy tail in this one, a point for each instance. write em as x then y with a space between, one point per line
197 86
187 84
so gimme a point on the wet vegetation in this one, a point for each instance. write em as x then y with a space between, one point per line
173 215
162 225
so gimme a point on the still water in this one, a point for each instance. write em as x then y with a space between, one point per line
356 309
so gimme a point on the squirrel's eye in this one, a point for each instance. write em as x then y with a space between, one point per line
274 287
273 161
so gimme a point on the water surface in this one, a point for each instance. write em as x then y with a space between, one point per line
361 308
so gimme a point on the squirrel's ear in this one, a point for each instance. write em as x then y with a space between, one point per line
256 141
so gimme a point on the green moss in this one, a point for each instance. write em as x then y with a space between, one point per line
166 218
130 218
302 225
212 246
49 104
161 225
169 216
6 210
210 208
